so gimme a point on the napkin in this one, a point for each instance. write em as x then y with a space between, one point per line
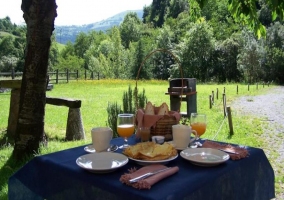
147 182
242 152
143 120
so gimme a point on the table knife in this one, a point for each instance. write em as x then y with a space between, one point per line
134 180
228 151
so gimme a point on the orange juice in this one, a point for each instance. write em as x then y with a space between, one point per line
199 127
125 130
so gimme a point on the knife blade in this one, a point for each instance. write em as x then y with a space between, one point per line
228 151
134 180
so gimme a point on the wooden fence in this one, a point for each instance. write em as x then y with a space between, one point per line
56 76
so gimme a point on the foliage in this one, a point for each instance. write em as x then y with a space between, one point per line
130 29
129 106
196 50
221 55
113 109
249 61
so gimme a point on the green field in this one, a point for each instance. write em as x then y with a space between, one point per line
95 96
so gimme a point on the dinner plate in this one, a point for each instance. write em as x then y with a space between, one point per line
103 162
204 156
149 162
90 148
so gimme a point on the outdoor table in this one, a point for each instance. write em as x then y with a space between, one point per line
57 176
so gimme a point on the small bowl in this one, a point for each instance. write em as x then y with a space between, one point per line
158 139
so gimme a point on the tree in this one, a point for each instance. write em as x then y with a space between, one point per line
196 51
39 16
249 59
245 12
130 29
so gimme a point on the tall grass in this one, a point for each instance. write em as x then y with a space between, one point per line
95 96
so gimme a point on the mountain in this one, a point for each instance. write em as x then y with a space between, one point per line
64 34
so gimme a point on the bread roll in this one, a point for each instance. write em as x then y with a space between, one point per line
149 110
163 109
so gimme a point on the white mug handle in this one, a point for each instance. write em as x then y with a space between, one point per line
196 136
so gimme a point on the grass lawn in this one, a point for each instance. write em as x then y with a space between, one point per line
95 96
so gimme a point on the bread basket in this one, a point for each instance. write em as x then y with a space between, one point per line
163 126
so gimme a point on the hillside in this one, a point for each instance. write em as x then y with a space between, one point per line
68 33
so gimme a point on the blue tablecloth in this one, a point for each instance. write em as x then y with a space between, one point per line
57 176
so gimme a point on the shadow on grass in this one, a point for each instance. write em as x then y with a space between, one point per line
7 170
4 139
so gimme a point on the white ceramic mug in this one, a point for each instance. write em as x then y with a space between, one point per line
182 136
101 137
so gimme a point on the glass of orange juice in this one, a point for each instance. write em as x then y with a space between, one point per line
198 123
125 127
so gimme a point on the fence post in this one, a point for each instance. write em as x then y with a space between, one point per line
224 90
77 74
224 104
98 75
217 93
210 102
13 73
57 76
237 89
67 75
212 97
230 121
85 74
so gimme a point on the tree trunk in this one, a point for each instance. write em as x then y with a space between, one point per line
39 16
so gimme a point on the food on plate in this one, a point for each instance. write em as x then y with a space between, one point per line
150 151
149 110
163 109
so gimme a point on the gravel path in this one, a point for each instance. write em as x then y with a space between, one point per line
270 109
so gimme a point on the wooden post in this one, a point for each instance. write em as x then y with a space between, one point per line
210 102
67 75
57 76
14 112
224 90
85 74
13 73
212 97
237 89
77 74
98 75
230 121
224 104
74 128
217 93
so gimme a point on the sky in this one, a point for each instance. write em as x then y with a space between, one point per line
75 12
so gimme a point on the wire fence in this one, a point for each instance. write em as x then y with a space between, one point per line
226 109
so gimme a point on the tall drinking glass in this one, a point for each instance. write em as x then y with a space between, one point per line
125 127
198 123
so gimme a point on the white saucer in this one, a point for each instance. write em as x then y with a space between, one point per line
205 157
90 148
103 162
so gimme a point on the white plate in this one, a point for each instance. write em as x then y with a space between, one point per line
90 148
103 162
145 162
204 156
